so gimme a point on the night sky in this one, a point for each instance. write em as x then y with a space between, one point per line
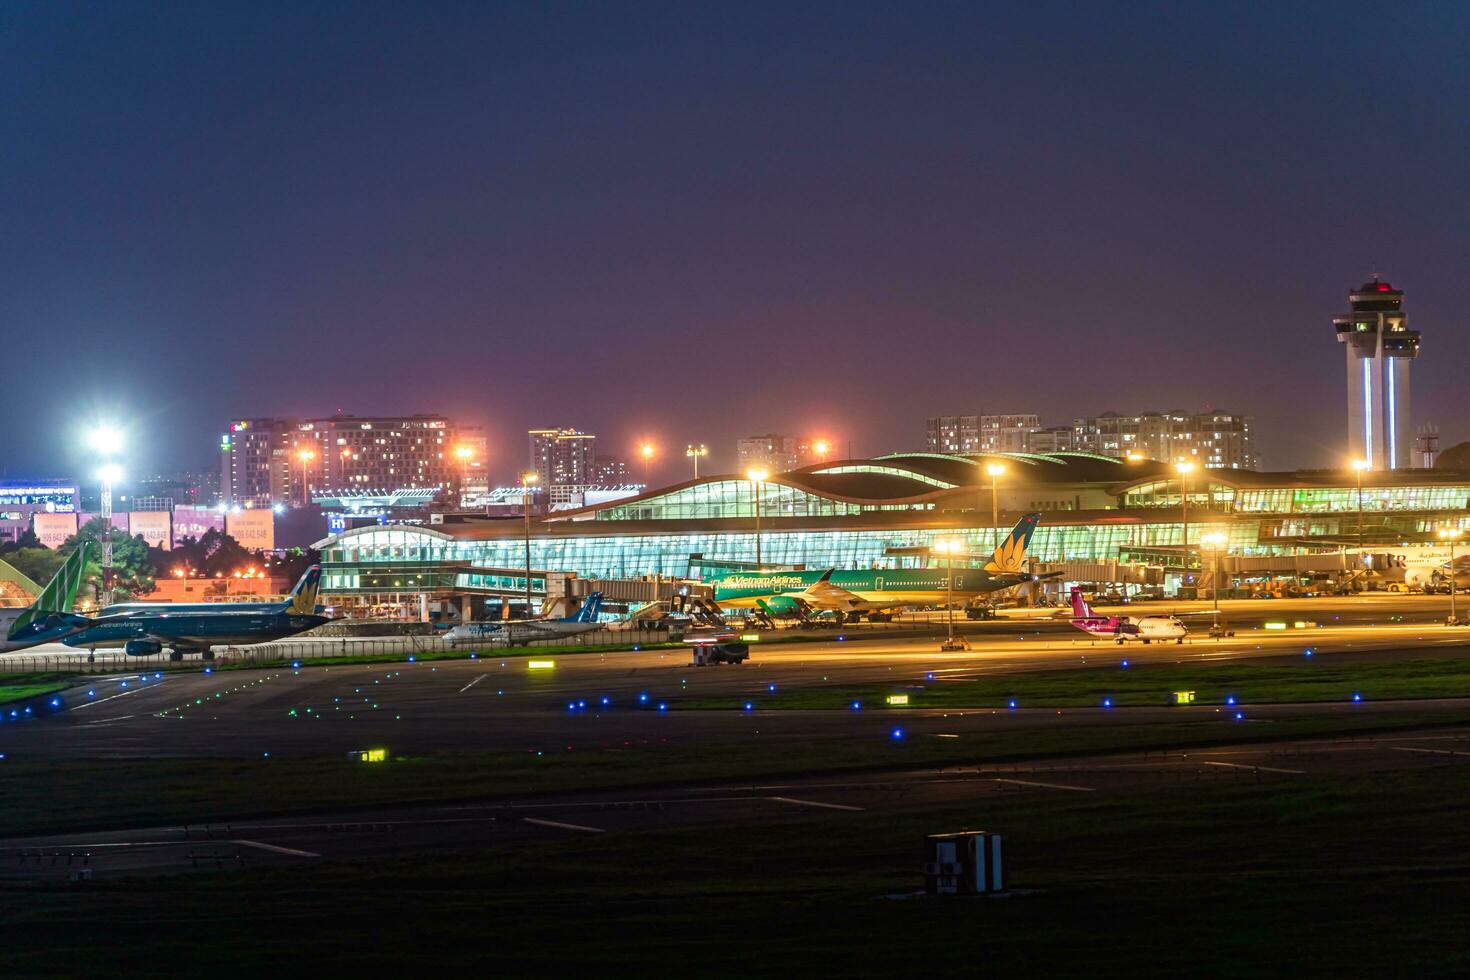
699 221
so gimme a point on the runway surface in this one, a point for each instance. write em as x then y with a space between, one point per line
500 703
439 829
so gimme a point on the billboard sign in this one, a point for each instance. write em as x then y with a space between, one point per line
254 529
54 529
193 522
156 527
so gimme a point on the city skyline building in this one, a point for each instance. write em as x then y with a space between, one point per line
562 456
1379 348
1215 440
980 433
270 461
778 453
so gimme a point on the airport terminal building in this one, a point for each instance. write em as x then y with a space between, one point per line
874 513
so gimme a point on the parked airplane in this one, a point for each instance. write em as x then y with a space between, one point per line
145 628
856 592
49 618
520 632
1145 629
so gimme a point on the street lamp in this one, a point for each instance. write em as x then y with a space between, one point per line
948 548
306 456
821 447
1451 534
757 477
1359 465
646 451
1215 541
1185 467
106 440
995 470
464 454
528 481
696 453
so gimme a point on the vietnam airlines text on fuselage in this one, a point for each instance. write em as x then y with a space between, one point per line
742 590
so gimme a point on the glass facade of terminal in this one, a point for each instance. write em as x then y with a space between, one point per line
1299 500
736 498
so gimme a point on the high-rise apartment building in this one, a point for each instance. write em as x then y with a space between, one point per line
1212 439
610 471
270 461
780 454
1216 440
562 456
1380 347
979 433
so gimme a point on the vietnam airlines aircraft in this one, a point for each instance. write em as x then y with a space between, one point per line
519 632
857 592
49 618
145 628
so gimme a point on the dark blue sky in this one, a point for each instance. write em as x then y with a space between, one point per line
702 221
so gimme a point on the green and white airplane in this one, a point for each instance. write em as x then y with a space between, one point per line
49 618
855 592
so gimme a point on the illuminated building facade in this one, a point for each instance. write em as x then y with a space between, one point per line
1380 347
270 461
860 514
562 456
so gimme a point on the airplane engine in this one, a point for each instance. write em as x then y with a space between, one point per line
782 605
142 648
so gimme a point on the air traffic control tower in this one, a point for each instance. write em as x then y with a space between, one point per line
1379 347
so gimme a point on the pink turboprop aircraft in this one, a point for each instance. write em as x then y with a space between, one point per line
1120 629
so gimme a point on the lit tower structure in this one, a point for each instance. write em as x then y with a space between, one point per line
1379 347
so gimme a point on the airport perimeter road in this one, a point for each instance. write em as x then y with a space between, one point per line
502 704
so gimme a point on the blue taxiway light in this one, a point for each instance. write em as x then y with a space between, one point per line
929 676
643 698
91 694
474 656
1239 716
1357 696
1308 652
1107 702
1230 700
857 706
749 706
412 659
1125 663
771 688
56 702
662 706
897 733
606 700
1012 704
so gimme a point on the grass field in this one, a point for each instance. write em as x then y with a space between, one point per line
1322 876
1307 680
20 687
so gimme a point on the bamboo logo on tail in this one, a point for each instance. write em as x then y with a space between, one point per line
1010 557
303 597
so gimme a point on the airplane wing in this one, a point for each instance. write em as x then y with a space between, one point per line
823 594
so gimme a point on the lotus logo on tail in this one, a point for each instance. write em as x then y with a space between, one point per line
60 593
1010 557
303 597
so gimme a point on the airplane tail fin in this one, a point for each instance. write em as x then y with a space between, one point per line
1011 555
59 594
591 606
1080 609
303 597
